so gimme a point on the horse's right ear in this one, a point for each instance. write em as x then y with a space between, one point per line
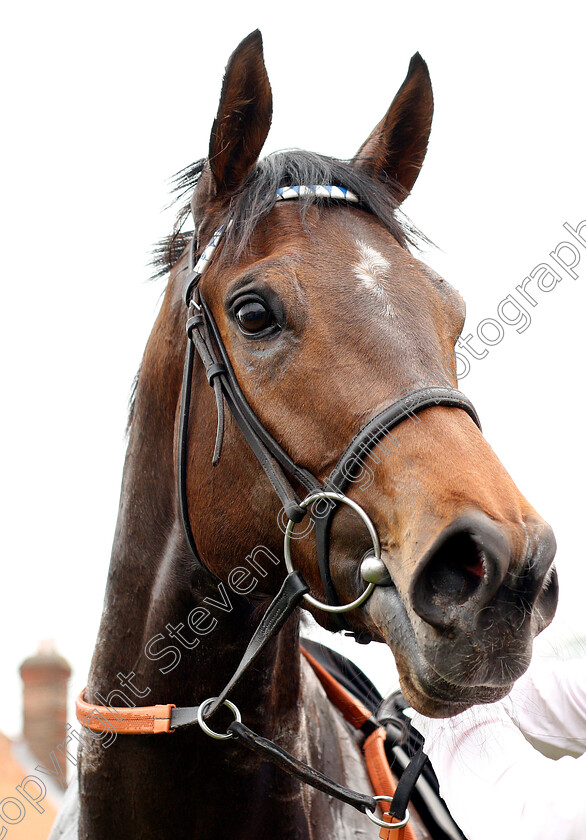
395 150
244 117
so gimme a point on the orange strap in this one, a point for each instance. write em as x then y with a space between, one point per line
352 709
383 782
140 720
381 778
151 720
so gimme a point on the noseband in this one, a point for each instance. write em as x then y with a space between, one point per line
205 338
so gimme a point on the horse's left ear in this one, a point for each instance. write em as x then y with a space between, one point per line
244 117
396 148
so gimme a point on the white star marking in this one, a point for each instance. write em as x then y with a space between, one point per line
371 270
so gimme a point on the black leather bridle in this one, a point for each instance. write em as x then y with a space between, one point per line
204 337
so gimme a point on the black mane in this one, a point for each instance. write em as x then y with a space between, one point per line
258 196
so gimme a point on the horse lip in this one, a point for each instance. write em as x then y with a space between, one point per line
425 688
431 700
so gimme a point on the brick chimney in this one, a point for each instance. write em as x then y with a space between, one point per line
45 676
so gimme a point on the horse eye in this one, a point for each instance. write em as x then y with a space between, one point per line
253 317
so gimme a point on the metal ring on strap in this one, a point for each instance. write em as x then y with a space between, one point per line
217 735
373 818
337 497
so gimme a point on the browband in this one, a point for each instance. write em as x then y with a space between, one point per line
283 194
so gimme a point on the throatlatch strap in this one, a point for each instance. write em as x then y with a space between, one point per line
182 445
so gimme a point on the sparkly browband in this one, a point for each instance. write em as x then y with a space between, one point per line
319 190
283 194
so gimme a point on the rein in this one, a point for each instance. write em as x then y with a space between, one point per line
204 338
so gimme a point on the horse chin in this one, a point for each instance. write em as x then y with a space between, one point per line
439 699
425 689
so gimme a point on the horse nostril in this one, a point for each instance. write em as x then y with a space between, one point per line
547 599
454 571
465 565
474 566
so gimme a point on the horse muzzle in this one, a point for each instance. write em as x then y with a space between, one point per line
462 632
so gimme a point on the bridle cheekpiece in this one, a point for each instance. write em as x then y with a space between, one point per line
204 336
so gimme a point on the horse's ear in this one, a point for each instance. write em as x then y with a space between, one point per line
396 148
244 116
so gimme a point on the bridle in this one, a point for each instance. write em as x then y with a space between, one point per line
203 337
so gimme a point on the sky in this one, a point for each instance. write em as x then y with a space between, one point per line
103 103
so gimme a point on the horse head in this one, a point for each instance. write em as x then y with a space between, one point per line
327 317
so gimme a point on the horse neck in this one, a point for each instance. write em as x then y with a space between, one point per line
155 585
178 782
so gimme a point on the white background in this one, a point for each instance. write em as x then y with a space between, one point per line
103 102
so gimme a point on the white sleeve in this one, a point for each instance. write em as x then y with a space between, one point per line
548 704
496 784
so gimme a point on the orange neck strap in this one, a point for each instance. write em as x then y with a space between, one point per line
153 720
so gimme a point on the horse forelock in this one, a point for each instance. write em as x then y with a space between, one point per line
258 195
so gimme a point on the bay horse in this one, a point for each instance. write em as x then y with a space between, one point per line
322 322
